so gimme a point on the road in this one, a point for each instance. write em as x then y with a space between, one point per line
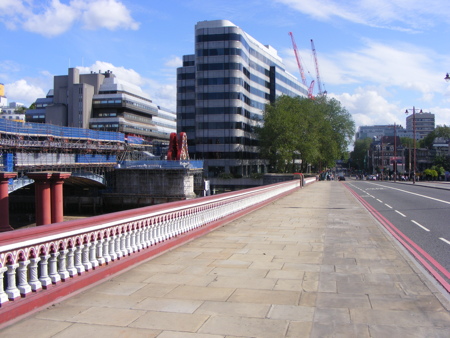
418 216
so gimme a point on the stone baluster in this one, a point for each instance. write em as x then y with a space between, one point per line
35 283
85 256
133 238
154 231
93 254
43 267
106 245
78 259
127 250
53 267
3 294
139 238
100 256
62 264
158 226
71 269
123 242
12 291
22 277
117 245
112 246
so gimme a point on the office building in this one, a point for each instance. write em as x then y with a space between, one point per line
222 91
425 124
378 131
102 101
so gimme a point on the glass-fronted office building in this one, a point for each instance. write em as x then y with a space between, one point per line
222 91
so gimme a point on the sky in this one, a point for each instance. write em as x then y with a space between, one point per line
377 57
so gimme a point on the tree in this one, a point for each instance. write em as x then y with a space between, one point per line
317 130
359 154
439 131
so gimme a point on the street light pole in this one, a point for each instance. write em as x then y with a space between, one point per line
414 141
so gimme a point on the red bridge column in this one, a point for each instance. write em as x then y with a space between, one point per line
42 186
57 181
4 201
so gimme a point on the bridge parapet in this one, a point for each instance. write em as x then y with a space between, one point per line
45 259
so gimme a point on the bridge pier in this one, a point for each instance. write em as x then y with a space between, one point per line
57 181
48 196
4 200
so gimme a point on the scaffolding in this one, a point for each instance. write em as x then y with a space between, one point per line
26 146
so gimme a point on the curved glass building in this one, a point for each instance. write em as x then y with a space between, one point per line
222 91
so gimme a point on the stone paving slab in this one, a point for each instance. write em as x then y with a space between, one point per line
312 264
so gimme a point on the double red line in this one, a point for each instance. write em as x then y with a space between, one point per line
427 261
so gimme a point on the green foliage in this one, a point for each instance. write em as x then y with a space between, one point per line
317 131
430 173
407 142
443 162
359 154
439 131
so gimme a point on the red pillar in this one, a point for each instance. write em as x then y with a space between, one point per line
42 196
57 181
4 201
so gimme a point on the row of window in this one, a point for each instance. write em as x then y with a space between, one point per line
221 111
227 140
118 102
234 37
233 96
227 155
225 125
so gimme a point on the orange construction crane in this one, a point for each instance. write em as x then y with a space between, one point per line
300 68
319 83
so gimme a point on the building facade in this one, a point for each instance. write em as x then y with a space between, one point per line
378 131
425 124
101 101
222 91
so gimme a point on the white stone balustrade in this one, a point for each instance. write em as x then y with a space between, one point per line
54 253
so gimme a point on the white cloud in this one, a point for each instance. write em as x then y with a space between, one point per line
109 14
128 75
23 92
368 107
174 62
398 15
162 94
54 18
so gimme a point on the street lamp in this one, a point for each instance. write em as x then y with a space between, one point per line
447 77
414 140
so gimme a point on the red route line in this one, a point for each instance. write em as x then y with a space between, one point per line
402 238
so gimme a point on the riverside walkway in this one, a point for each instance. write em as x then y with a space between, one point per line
314 263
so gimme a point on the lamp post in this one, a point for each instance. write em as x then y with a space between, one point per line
447 78
414 141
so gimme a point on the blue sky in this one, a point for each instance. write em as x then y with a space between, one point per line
377 57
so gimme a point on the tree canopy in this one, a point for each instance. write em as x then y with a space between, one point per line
316 131
359 154
439 131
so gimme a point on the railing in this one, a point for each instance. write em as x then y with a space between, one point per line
33 259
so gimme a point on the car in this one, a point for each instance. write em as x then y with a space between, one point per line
341 178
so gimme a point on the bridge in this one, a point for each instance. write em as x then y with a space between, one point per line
33 147
281 262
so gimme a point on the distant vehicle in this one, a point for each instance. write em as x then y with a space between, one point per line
372 178
341 178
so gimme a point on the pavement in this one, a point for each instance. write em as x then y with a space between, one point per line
312 264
